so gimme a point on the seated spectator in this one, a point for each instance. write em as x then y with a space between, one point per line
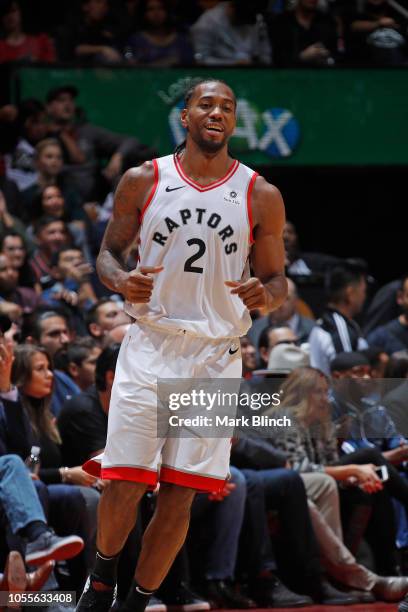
232 33
368 422
72 286
51 330
105 315
49 165
78 360
393 336
94 37
304 36
13 245
50 235
378 35
337 331
284 316
51 202
69 488
158 43
85 144
248 353
17 45
31 127
311 446
280 489
15 300
271 337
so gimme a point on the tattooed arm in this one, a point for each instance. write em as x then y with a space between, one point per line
131 194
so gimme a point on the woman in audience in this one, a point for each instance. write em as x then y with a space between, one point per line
17 45
73 500
158 43
51 202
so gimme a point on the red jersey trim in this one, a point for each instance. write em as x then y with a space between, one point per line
231 171
193 481
249 206
153 189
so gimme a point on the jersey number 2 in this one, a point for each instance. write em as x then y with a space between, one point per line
201 250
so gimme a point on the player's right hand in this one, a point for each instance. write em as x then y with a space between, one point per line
138 285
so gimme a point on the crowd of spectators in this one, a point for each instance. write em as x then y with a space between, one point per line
291 33
317 514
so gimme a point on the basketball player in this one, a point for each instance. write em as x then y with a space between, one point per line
201 214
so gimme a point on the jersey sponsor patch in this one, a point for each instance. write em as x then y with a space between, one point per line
232 197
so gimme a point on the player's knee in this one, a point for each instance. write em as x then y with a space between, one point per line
174 498
128 492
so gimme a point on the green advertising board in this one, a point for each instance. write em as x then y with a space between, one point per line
284 117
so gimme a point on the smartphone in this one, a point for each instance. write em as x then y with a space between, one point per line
382 472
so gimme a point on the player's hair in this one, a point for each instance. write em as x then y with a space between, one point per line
106 363
188 94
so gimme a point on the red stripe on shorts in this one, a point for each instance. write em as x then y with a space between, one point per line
193 481
130 473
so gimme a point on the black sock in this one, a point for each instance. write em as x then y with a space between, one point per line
137 599
33 530
105 570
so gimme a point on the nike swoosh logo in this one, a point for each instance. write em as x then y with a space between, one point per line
231 352
168 189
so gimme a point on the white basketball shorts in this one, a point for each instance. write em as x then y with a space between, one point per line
133 451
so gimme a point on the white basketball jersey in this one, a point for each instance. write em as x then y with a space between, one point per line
201 235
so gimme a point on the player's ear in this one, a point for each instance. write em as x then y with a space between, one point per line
183 118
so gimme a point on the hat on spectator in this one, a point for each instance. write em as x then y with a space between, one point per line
287 357
57 91
283 359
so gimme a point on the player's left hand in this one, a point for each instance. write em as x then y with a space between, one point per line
252 292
